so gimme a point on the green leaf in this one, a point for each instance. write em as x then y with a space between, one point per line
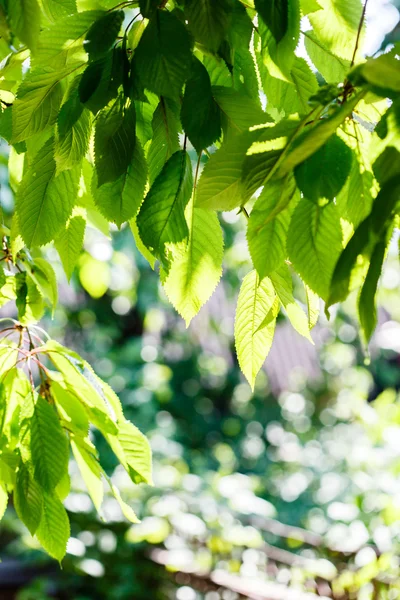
62 43
200 114
127 511
114 141
283 284
332 68
314 244
321 176
28 499
79 381
366 302
291 97
255 320
38 101
29 299
24 17
266 153
313 303
311 139
239 111
364 239
165 140
101 79
103 33
44 276
209 21
161 220
70 408
69 242
120 200
49 446
133 451
194 273
148 7
44 200
151 259
73 132
163 56
220 186
382 72
278 55
54 530
275 14
268 226
336 25
58 9
91 472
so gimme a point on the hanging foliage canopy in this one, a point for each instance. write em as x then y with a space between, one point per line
161 114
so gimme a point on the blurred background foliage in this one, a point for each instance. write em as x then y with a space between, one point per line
293 488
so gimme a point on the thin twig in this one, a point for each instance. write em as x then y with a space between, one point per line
360 25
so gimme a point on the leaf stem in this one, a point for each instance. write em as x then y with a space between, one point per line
359 32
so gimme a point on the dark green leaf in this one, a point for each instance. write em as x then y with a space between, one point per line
114 141
209 21
321 176
161 220
28 499
275 14
49 446
103 33
200 114
366 301
163 56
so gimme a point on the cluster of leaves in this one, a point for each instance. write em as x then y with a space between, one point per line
118 107
50 398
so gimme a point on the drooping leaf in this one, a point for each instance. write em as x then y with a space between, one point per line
161 220
268 226
321 176
38 100
278 54
54 530
337 24
283 285
165 140
70 409
91 472
275 14
163 56
366 302
200 114
28 499
44 199
256 313
114 141
314 244
209 21
49 446
120 200
220 186
62 43
291 97
72 133
24 17
195 272
70 240
238 110
103 33
101 80
133 451
333 68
